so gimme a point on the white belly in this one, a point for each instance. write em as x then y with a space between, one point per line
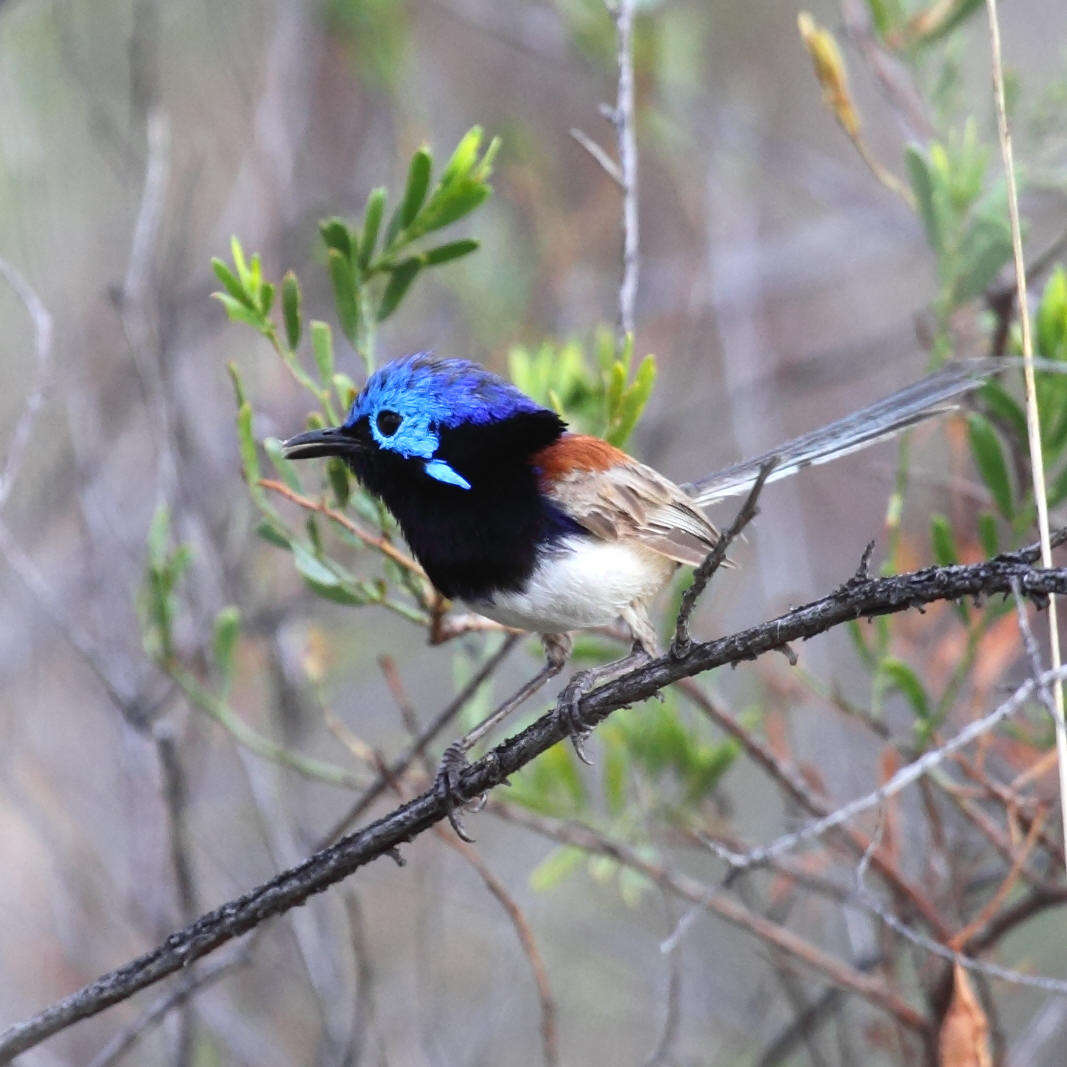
581 584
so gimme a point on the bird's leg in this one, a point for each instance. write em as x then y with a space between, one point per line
645 647
557 652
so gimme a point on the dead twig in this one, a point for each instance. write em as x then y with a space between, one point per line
715 559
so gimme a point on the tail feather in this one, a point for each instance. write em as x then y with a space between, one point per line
934 395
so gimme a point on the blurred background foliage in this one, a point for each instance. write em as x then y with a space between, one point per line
221 705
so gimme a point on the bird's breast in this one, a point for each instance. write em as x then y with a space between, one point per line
581 582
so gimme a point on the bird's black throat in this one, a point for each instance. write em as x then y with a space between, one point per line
473 542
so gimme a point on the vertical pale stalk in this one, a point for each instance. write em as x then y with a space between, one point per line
1033 425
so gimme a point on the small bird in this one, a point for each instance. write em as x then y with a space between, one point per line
550 531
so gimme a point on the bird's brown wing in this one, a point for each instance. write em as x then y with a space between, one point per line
615 497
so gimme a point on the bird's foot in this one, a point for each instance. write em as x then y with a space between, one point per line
446 786
569 713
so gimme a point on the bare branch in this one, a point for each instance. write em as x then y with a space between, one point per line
860 598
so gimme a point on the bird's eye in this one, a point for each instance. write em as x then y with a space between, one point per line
389 422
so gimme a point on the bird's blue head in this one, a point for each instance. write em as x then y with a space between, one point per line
434 416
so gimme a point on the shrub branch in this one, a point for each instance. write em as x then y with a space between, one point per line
859 597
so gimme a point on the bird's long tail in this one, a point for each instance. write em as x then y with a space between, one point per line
933 395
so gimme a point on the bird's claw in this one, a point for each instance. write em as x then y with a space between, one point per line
446 786
569 714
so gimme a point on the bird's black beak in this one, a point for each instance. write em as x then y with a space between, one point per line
332 441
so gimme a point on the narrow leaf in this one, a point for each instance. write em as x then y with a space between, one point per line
344 294
943 542
291 309
902 678
285 467
989 459
233 286
238 311
414 195
372 220
322 346
227 631
337 236
399 281
444 253
987 533
922 185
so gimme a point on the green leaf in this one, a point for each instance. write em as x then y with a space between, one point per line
233 286
227 631
859 642
989 459
1051 322
633 401
291 309
344 294
158 540
943 542
372 220
555 867
321 580
449 205
238 256
337 473
240 312
1057 491
272 535
1003 406
399 280
984 249
345 388
266 298
414 195
337 236
710 764
464 157
987 533
453 250
902 678
247 444
285 467
922 185
322 346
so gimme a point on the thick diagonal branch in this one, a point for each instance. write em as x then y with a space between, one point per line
858 598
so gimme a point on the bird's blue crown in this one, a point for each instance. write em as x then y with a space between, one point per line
408 402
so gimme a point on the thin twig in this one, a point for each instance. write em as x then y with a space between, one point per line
903 778
720 904
609 166
1033 423
418 746
714 560
623 119
375 541
193 983
42 333
549 1028
796 788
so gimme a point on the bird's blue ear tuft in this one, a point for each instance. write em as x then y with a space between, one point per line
439 469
